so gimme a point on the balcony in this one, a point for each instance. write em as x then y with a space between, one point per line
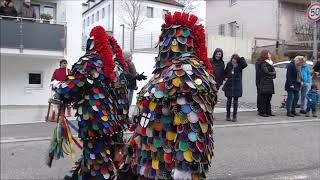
23 33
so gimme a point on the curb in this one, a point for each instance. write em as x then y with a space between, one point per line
13 140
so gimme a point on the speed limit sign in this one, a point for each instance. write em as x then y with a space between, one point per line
313 12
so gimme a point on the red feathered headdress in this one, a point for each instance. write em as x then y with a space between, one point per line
102 46
190 21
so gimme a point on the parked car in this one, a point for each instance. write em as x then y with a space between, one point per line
284 64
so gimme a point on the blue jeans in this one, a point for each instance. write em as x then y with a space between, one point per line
130 96
303 91
292 100
311 106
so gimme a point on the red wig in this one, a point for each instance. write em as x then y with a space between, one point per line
190 21
101 44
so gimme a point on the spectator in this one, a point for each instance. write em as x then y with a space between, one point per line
27 10
218 66
305 85
7 8
266 87
293 84
61 73
132 76
233 85
313 99
316 73
258 71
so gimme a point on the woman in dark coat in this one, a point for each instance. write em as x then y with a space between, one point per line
218 66
293 85
266 87
233 85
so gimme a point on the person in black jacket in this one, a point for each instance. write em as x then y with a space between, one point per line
258 70
132 76
266 86
293 84
218 66
233 85
7 8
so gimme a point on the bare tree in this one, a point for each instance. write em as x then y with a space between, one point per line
303 32
189 6
133 15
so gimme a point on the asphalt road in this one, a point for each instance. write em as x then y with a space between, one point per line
278 151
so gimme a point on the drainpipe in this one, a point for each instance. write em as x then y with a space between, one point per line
113 17
315 35
278 25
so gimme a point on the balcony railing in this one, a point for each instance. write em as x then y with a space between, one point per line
35 34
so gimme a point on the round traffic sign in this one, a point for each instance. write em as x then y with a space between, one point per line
313 12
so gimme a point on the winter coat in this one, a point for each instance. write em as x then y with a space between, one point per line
60 74
7 9
132 76
258 72
313 97
233 85
27 11
218 67
306 74
291 79
267 74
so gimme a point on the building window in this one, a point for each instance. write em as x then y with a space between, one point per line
233 29
222 30
92 18
109 17
149 12
88 21
164 11
48 10
35 79
232 2
98 16
103 13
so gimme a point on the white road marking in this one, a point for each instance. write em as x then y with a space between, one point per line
265 123
294 177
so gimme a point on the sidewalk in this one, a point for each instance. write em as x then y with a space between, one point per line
44 130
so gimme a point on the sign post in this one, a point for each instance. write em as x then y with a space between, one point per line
313 14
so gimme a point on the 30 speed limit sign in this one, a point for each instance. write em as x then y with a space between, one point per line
313 12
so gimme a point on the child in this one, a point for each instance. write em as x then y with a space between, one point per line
313 98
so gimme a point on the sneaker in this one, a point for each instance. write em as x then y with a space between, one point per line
303 112
290 114
307 114
228 119
314 115
263 115
295 113
234 119
271 114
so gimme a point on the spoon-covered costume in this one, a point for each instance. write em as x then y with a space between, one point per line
97 88
174 113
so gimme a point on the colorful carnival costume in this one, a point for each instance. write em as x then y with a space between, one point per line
175 109
97 88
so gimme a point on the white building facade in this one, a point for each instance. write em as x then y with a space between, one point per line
31 51
274 19
101 12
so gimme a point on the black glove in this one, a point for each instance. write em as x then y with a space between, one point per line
141 77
